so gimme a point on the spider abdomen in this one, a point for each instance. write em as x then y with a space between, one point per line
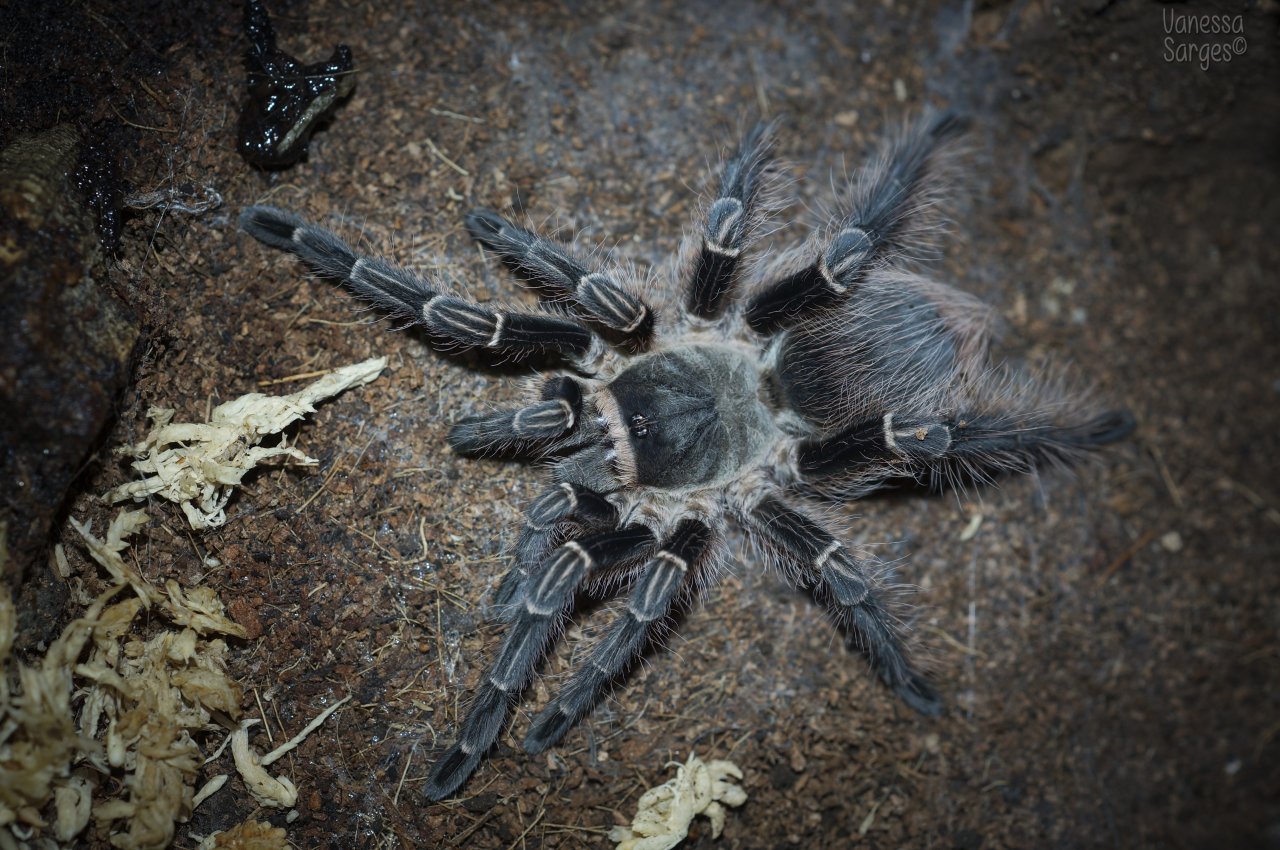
898 346
834 381
688 417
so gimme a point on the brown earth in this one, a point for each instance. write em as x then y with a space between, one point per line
1107 642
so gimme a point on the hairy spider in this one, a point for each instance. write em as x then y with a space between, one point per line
840 374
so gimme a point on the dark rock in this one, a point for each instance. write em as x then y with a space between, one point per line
287 99
69 339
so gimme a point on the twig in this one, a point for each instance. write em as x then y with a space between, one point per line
300 376
293 742
519 838
457 840
950 640
435 150
141 126
329 477
1126 555
1172 485
263 714
449 113
395 799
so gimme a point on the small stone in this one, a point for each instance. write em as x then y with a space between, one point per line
1172 542
846 119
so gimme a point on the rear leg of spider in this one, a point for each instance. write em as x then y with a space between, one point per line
651 599
849 587
547 595
952 451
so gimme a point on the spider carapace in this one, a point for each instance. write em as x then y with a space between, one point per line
769 382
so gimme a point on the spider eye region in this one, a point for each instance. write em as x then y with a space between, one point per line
687 417
640 425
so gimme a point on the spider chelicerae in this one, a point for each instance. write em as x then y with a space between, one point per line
841 372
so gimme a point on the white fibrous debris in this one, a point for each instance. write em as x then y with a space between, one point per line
197 608
268 790
278 791
142 704
250 835
664 813
39 738
199 465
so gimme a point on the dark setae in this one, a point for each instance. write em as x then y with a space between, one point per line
839 373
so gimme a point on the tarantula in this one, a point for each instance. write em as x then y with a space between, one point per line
843 375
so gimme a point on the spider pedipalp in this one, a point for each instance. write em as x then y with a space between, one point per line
764 389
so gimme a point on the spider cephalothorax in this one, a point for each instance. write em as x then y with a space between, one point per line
835 377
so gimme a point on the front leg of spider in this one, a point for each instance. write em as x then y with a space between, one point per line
455 322
652 596
828 380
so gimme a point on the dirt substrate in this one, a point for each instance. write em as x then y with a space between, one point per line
1107 642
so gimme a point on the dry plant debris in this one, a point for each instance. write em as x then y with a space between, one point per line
269 791
199 465
250 835
664 813
142 704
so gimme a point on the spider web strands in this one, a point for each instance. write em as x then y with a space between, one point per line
894 192
849 587
671 568
731 222
547 265
532 625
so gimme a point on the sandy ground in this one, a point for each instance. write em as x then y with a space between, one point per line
1107 642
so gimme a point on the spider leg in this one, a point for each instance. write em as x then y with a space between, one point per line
729 223
403 293
549 266
849 587
651 598
952 450
558 512
531 627
524 430
894 191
